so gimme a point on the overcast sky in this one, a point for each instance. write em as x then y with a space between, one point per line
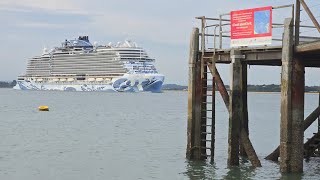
162 27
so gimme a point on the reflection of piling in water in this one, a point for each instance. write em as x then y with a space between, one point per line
291 56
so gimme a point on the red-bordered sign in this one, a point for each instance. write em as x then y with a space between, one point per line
251 27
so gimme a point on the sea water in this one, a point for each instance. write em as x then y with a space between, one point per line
124 136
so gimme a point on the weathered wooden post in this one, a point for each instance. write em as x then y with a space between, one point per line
319 117
235 108
194 99
245 120
292 106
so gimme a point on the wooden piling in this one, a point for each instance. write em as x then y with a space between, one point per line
319 115
235 108
193 68
292 104
245 120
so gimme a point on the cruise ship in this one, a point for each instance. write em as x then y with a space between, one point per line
79 65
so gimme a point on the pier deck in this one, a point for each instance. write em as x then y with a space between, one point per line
267 56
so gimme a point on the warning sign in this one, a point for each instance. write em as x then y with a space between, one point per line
251 27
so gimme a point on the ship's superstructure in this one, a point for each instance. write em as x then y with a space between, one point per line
80 66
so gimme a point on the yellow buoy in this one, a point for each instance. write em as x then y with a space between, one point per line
43 108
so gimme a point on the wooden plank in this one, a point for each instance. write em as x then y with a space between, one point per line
251 57
193 55
308 47
249 149
235 110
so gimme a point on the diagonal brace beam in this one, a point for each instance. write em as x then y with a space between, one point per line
220 86
306 123
313 19
249 148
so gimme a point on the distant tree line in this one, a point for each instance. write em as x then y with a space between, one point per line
251 88
5 84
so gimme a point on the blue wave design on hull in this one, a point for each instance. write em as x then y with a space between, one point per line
120 85
155 87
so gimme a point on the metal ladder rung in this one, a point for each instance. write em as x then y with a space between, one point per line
206 133
205 155
207 125
206 102
204 140
205 147
206 118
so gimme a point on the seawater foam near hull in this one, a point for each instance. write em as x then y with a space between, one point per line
127 83
80 66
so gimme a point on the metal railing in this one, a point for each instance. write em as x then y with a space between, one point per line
209 34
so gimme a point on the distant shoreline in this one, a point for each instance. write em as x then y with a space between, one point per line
270 88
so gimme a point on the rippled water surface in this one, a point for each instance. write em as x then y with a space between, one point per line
98 136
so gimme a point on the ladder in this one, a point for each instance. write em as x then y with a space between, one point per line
312 145
207 101
207 110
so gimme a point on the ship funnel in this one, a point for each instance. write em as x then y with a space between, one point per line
84 38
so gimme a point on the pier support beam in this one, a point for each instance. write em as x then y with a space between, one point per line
245 121
220 86
306 124
235 108
292 106
194 99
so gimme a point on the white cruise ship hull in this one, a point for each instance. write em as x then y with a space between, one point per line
126 83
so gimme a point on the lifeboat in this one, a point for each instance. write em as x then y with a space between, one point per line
91 79
99 79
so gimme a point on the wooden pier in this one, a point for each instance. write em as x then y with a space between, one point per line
204 81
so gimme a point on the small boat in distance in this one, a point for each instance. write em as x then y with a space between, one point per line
80 66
